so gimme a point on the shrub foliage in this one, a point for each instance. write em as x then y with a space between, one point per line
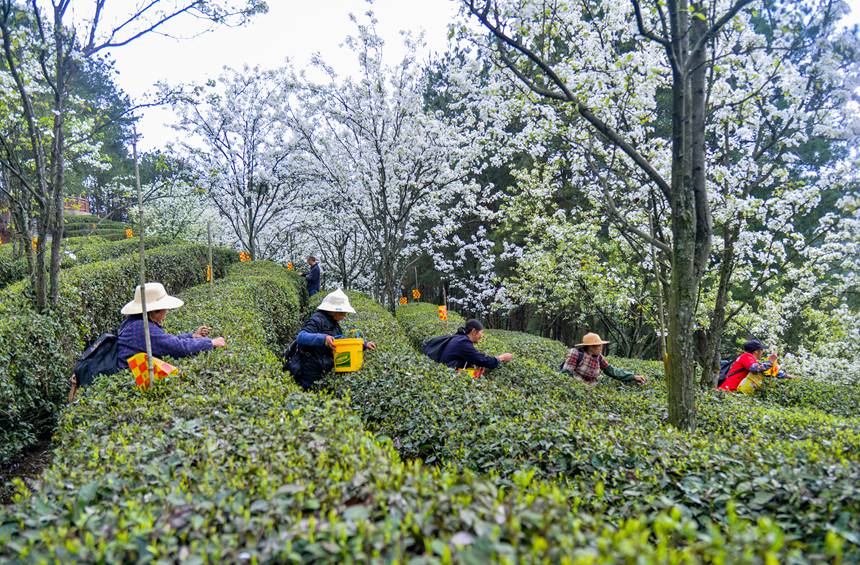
797 468
231 462
38 349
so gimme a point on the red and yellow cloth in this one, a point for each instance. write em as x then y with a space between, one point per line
160 369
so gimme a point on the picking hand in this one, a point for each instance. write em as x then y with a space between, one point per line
219 342
641 379
772 357
202 331
371 345
506 357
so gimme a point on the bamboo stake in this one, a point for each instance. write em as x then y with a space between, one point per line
210 270
445 301
142 260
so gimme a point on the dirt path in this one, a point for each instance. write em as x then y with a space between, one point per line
28 466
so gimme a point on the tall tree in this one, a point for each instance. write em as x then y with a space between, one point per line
43 47
244 158
370 144
603 64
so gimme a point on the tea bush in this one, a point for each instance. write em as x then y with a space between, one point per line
230 462
11 268
799 470
38 349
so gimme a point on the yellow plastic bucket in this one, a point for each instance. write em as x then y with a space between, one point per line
750 383
348 354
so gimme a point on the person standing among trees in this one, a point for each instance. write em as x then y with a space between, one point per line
312 277
585 361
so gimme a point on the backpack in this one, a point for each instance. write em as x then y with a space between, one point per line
435 347
725 365
99 358
578 363
291 360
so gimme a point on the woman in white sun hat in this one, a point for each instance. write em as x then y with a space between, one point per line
130 337
585 361
315 342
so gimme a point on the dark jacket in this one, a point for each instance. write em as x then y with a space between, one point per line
130 341
313 279
461 352
312 357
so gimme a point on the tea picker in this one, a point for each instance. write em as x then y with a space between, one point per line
322 345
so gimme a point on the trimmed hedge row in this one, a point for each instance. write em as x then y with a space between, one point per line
230 462
420 323
38 350
111 234
76 251
801 471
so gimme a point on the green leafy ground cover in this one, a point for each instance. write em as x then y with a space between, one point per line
609 444
38 350
231 463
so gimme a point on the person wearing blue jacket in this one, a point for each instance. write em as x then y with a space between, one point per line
314 354
460 352
130 337
312 277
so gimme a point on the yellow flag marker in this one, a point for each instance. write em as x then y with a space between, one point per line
160 369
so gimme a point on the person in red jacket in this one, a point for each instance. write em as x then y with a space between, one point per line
748 362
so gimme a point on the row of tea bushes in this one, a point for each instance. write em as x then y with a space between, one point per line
799 471
726 415
11 268
87 225
38 349
76 251
81 220
230 462
420 323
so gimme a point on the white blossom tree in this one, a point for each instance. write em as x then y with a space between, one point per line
387 166
44 45
646 83
240 143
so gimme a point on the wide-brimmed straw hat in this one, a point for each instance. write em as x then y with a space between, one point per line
591 339
336 301
156 299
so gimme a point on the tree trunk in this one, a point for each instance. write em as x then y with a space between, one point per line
58 176
683 287
39 274
710 371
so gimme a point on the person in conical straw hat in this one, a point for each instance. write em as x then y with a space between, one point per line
130 337
585 361
315 342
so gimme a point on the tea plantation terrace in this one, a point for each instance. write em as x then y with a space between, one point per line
403 460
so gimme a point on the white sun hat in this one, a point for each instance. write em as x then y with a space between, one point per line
336 301
156 299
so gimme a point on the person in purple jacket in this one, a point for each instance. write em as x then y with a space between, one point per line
460 352
130 337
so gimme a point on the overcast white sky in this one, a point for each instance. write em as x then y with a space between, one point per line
293 29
